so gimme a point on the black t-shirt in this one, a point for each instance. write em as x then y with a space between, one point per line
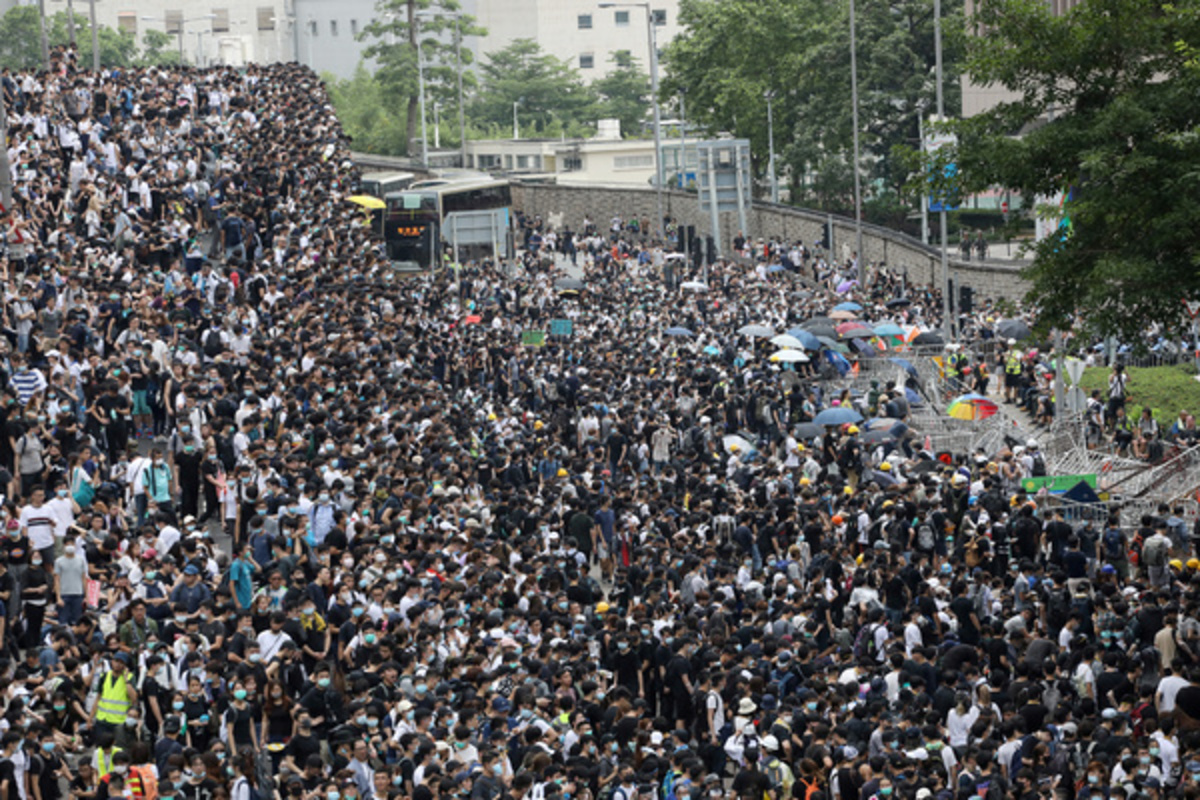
198 791
16 549
751 783
963 608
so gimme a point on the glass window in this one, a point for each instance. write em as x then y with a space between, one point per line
174 20
572 163
220 20
266 18
621 18
333 29
660 16
354 27
633 162
585 21
314 28
127 22
587 61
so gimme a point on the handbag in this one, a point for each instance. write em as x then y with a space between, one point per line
82 491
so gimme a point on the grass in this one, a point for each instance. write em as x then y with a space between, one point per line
1165 390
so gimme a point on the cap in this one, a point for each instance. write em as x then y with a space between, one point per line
191 569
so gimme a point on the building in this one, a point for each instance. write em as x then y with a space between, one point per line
208 32
579 32
606 158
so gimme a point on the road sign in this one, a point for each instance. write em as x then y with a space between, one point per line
1074 369
1076 400
935 140
1057 483
1004 206
1193 306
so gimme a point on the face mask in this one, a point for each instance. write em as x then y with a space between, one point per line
240 694
177 705
323 683
1093 779
131 721
369 638
60 707
308 612
497 769
398 780
255 657
361 719
358 612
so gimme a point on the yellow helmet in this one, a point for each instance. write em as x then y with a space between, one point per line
1176 564
602 607
1193 563
562 473
847 491
852 429
537 426
886 466
492 417
804 481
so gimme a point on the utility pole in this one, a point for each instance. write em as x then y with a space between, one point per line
462 112
42 29
96 38
948 326
71 21
858 239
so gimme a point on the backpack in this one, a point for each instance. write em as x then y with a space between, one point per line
1039 466
781 778
864 643
1155 552
925 537
1112 544
810 788
213 346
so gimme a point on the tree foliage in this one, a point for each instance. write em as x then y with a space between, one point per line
548 91
393 50
624 94
20 40
733 51
376 125
1105 105
158 49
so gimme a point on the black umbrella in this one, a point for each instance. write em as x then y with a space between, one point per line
825 329
928 337
899 302
569 285
1013 329
807 430
876 436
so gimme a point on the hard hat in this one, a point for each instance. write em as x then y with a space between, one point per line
852 429
847 491
562 473
1193 563
1032 444
885 466
799 448
733 448
770 743
602 607
804 481
537 426
491 417
1176 564
837 519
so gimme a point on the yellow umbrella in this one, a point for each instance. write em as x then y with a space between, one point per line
366 201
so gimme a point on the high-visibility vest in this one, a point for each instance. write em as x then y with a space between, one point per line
103 762
1013 366
114 699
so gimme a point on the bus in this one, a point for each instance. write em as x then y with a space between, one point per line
381 184
464 220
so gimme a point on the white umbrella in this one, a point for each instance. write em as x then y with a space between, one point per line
675 257
732 441
790 356
695 286
787 341
757 331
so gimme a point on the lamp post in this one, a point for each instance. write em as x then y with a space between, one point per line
421 87
437 125
516 128
682 139
95 36
200 47
770 95
658 165
182 24
858 240
948 324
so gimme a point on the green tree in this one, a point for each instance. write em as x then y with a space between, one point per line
624 95
375 125
732 52
549 92
158 49
393 49
20 40
1105 108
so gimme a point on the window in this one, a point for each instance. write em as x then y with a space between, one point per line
572 163
266 18
508 162
220 20
314 28
622 19
354 27
660 16
333 27
585 22
487 162
174 21
623 58
633 162
522 162
127 22
587 61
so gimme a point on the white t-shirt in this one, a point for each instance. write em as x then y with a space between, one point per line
40 523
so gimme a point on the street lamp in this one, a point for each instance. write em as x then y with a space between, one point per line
948 323
858 240
516 128
770 95
182 23
658 183
682 139
421 87
200 47
462 114
437 125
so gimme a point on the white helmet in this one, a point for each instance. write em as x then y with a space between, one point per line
770 743
1032 444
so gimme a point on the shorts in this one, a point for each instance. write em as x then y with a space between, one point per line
140 406
1012 381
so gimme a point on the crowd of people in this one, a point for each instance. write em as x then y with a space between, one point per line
280 523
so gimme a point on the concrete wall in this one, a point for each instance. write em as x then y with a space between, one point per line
898 251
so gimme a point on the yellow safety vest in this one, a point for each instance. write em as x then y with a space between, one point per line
1013 367
114 699
104 762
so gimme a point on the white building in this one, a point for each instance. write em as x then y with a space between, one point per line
580 32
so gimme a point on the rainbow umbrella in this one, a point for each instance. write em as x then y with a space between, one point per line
971 406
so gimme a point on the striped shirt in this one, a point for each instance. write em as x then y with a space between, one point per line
27 383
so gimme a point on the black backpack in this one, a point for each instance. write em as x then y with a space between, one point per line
1039 466
213 346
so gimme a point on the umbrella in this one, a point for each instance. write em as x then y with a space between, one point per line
756 331
846 286
899 302
928 337
925 465
366 201
847 306
473 319
971 406
734 442
807 340
838 361
906 366
842 314
838 415
807 430
888 329
713 350
876 436
569 285
695 286
675 257
677 331
786 340
853 330
879 423
820 329
1013 329
833 345
818 320
790 356
776 268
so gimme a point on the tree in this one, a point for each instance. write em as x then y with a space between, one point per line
375 125
549 92
624 95
1105 111
732 52
394 33
158 49
20 40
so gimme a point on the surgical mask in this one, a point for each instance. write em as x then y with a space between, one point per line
255 657
177 705
323 683
132 721
361 719
240 694
369 638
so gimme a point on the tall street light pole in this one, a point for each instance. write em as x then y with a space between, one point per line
682 139
458 67
947 324
42 29
95 36
858 238
71 21
421 88
516 127
770 95
658 165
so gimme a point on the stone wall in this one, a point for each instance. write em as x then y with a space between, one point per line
881 245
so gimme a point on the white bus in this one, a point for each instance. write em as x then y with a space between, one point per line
466 220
